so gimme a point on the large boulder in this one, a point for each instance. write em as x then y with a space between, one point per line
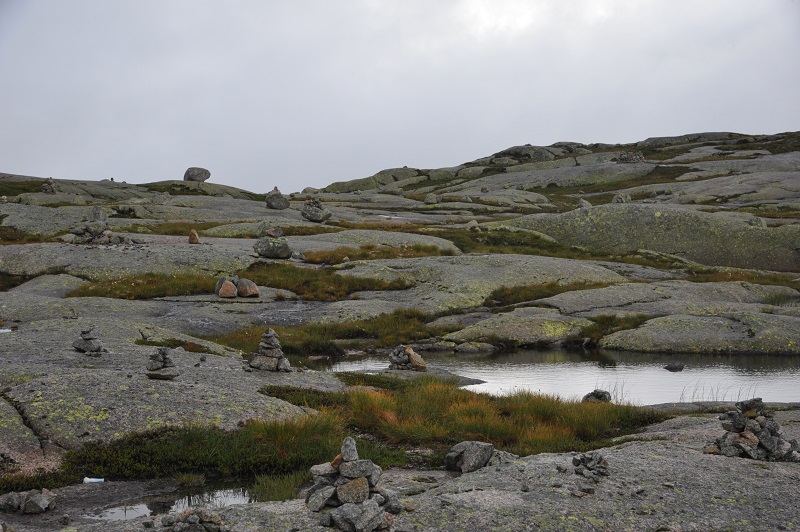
469 456
273 248
195 173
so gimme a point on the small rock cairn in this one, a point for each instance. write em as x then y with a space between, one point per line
269 356
405 358
753 433
313 211
350 486
158 367
275 200
89 343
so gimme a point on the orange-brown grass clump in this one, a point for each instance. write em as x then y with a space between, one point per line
147 286
316 284
372 252
437 413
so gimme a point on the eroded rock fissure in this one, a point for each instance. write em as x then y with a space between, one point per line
25 421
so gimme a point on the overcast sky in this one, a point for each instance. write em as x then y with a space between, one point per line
300 93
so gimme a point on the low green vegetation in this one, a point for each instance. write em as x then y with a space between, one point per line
278 487
15 188
704 275
385 330
318 284
373 252
147 286
310 283
606 324
510 295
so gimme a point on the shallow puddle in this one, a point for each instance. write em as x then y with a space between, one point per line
633 377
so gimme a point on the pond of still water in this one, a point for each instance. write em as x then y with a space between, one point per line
631 377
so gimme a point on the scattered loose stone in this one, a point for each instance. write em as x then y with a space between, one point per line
752 432
48 187
159 364
28 502
469 456
276 200
313 211
269 356
674 367
197 174
405 358
96 232
591 465
629 157
583 204
193 238
89 343
227 289
621 198
351 489
247 288
597 396
200 518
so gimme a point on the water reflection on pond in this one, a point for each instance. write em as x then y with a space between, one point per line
171 503
634 377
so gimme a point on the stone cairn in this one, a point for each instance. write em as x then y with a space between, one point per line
269 356
230 287
89 343
28 502
405 358
96 230
350 487
273 245
48 187
751 432
275 200
313 211
158 367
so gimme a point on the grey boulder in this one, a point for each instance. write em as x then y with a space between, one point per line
197 174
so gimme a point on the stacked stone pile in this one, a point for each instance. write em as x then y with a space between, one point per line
158 367
273 245
28 502
350 487
269 356
236 287
193 519
752 432
96 232
89 343
275 200
405 358
313 211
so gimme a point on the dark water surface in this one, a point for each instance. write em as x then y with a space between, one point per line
633 377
